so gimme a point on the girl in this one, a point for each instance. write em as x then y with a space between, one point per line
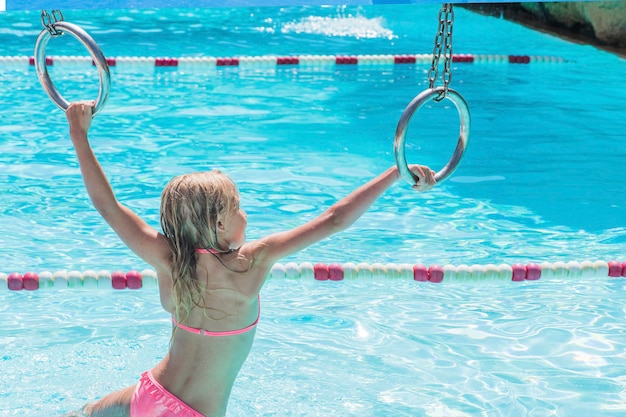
209 276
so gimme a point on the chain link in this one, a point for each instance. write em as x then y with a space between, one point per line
443 43
48 21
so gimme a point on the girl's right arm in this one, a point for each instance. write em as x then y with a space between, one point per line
142 239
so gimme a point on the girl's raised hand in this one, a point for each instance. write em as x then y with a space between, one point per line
79 116
425 177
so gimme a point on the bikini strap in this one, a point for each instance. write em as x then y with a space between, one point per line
203 332
213 251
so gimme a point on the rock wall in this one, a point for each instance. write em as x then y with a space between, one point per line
601 23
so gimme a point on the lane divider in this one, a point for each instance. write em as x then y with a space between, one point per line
134 280
271 61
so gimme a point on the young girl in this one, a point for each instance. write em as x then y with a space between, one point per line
209 276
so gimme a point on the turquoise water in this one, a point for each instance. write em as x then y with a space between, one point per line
541 181
386 348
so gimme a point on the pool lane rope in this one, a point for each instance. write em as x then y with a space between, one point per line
307 61
134 280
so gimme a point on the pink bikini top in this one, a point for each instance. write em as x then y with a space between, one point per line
203 332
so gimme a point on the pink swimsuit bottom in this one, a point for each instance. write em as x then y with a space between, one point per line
152 400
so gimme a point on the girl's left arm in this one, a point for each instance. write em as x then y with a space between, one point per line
338 217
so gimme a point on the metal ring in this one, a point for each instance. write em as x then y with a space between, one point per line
415 105
96 55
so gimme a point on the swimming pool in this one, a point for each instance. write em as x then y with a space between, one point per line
540 182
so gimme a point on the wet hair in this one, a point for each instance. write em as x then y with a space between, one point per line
191 206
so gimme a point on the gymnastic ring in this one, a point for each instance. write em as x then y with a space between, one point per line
415 105
95 52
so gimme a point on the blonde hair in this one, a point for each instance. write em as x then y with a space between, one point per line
191 206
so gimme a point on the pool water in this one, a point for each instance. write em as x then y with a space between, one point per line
351 348
541 181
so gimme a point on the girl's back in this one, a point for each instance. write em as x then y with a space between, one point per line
209 347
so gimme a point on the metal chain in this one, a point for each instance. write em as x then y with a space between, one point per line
48 21
443 43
